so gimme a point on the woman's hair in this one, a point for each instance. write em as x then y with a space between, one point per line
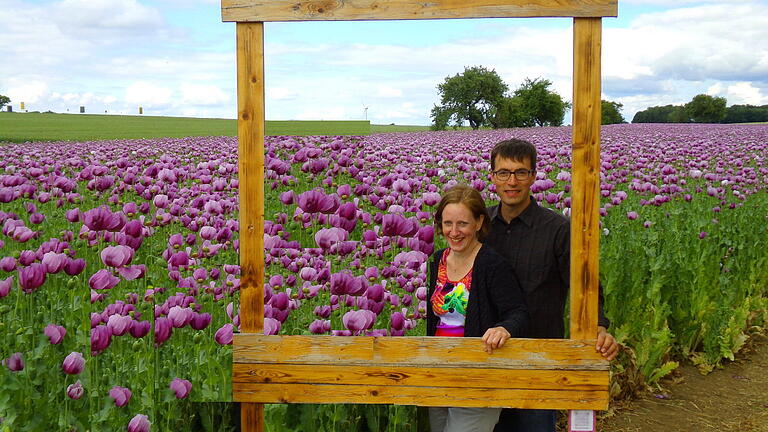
471 198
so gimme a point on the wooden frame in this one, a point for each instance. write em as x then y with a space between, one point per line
526 373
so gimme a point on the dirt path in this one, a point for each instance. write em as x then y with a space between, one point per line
732 399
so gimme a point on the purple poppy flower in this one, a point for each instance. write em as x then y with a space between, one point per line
181 387
320 326
54 262
5 286
316 201
75 391
15 362
119 324
103 279
271 326
180 316
139 423
200 321
702 235
55 333
8 264
121 395
73 364
101 337
139 329
117 256
345 283
74 267
32 277
132 272
163 330
223 335
358 321
102 219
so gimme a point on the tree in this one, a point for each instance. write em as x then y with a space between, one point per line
509 113
4 100
706 109
539 105
659 114
611 112
469 96
746 114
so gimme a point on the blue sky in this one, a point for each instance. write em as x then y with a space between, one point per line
176 58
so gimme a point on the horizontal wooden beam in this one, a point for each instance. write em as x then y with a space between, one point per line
437 376
422 396
426 371
418 351
354 10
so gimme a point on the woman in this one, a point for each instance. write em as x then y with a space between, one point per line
473 293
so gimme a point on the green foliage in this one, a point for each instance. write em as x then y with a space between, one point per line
611 112
510 114
658 114
4 100
469 96
746 114
706 109
540 105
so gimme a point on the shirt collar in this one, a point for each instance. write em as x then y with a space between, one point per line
528 216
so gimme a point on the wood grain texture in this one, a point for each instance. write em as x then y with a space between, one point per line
425 376
585 195
417 351
250 134
350 10
422 396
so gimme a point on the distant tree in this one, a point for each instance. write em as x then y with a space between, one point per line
4 100
706 109
611 112
540 105
679 115
746 114
509 113
469 96
656 114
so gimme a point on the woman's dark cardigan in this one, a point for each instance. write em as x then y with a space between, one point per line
495 296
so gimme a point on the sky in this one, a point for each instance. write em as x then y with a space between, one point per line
177 58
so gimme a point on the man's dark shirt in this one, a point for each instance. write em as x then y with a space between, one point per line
537 244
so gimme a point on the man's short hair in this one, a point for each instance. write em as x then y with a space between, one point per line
514 149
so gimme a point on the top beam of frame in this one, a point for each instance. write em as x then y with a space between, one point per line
360 10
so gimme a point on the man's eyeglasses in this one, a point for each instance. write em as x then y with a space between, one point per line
521 174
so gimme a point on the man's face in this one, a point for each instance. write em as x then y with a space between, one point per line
513 192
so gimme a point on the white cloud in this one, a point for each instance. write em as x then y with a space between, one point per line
744 93
388 92
204 95
148 94
281 93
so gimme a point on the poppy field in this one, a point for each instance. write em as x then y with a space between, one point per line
119 270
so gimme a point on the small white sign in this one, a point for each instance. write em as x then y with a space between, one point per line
581 421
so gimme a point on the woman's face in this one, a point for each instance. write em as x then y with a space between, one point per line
460 227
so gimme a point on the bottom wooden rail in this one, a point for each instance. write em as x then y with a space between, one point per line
426 371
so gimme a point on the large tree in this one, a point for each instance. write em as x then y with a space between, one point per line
4 100
706 109
540 105
509 113
611 112
469 96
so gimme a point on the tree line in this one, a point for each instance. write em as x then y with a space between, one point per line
480 97
703 109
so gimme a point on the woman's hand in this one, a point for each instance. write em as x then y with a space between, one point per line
495 338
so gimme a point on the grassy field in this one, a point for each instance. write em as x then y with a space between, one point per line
21 127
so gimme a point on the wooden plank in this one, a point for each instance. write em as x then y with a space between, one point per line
436 376
348 10
585 229
250 134
418 351
422 396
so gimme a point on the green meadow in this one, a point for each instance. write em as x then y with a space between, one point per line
22 127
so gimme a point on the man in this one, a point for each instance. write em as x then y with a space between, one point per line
536 241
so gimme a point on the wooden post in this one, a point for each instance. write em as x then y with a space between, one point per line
585 230
250 134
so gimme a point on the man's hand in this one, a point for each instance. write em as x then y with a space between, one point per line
606 344
495 338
